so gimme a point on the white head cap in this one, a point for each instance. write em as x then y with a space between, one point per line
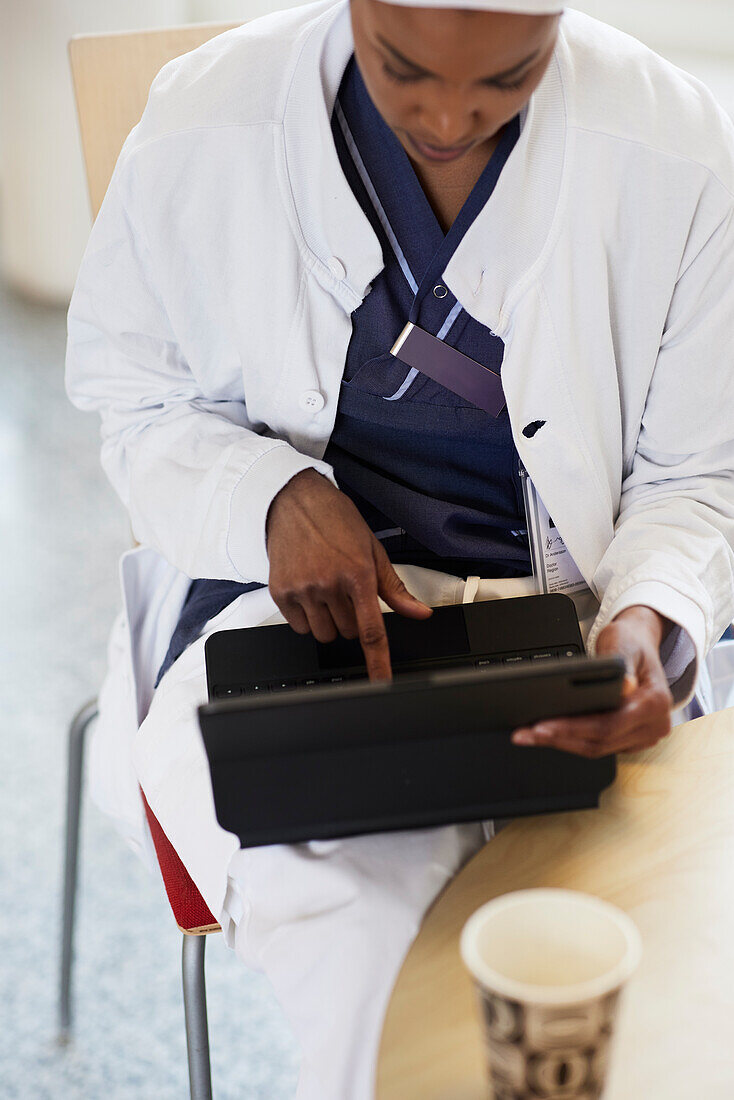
526 7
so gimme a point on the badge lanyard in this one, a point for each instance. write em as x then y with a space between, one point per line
418 349
553 567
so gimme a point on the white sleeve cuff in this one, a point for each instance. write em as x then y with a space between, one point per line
251 500
682 650
678 655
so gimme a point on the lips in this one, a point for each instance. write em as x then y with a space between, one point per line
433 152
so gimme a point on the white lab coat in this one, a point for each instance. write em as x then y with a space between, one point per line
211 317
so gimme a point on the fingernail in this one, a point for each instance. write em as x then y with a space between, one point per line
522 739
542 731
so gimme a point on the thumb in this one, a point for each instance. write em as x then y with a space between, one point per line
629 685
392 590
615 642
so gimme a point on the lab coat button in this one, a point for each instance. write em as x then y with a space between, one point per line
337 268
311 401
440 291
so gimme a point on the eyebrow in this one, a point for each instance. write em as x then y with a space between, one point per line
483 80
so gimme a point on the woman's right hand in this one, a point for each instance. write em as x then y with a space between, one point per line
327 569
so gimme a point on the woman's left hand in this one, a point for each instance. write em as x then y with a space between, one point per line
644 716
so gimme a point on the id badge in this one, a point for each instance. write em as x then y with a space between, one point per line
553 567
450 368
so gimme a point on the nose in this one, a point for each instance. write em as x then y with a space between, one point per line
449 123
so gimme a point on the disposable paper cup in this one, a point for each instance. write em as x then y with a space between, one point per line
548 968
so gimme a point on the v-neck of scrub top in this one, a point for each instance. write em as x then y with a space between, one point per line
418 460
399 209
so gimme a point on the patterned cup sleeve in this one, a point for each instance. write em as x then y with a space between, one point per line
546 1052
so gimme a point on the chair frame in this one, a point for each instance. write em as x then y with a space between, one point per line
111 74
194 941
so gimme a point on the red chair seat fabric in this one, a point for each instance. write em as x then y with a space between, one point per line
191 912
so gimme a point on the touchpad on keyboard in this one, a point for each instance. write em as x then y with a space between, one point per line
409 640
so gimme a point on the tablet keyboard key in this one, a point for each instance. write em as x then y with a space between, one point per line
230 692
547 656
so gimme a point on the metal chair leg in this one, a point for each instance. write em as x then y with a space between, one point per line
77 731
197 1030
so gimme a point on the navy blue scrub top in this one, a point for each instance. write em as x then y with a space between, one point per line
435 477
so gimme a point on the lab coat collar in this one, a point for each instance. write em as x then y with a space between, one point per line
329 220
486 275
508 243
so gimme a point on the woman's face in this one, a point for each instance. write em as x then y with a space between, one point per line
447 80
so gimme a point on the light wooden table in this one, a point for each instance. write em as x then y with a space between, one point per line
661 847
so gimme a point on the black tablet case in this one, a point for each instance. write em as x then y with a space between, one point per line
423 750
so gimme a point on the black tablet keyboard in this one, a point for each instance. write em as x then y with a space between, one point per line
554 653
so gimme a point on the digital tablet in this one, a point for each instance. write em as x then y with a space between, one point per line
418 751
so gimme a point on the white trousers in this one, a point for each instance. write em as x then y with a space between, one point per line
329 922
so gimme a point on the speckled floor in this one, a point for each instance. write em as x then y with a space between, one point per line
61 531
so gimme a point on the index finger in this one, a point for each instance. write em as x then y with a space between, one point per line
372 634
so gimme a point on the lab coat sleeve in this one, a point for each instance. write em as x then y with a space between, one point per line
674 536
195 478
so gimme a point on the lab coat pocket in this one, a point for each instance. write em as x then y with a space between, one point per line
113 785
153 593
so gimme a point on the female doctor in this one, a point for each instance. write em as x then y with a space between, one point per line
546 197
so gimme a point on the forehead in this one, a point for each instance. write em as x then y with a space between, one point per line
447 40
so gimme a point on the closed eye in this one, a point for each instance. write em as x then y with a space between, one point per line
508 86
413 78
400 78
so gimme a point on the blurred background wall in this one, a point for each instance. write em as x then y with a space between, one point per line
44 218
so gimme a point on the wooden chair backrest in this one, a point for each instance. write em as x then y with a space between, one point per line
112 74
